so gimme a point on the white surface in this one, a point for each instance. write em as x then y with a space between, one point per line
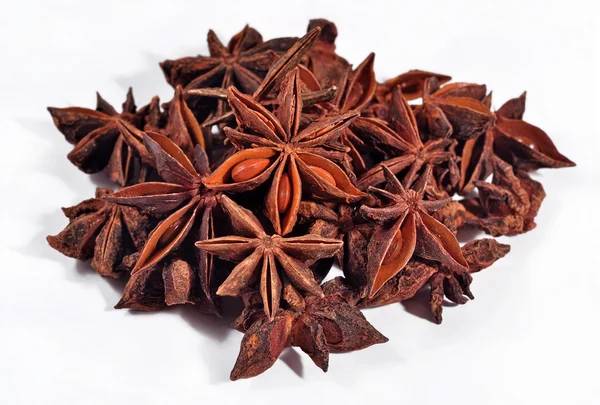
530 336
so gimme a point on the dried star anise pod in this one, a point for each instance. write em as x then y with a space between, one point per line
454 110
181 127
475 161
514 140
262 256
328 322
187 207
314 324
413 155
474 154
356 90
99 139
406 228
523 145
509 204
102 231
449 283
443 281
403 285
455 284
262 344
171 281
311 89
272 146
242 63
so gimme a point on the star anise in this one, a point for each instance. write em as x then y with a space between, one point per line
514 140
314 324
473 155
311 94
509 204
242 63
187 207
443 281
454 110
406 229
262 256
524 145
102 231
171 281
412 154
99 139
404 285
181 127
475 160
356 90
272 146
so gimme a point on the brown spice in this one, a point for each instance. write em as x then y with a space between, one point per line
312 162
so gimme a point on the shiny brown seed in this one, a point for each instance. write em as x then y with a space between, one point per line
171 232
324 174
284 194
248 169
394 250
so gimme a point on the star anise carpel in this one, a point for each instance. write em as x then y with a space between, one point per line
102 231
181 127
526 146
100 140
186 206
316 325
452 283
406 228
262 256
412 154
272 147
312 93
508 204
455 110
356 92
242 63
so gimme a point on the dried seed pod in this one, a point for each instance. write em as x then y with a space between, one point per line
263 136
406 215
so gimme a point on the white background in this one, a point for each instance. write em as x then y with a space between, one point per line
530 336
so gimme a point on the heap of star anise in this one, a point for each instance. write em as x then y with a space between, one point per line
275 160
